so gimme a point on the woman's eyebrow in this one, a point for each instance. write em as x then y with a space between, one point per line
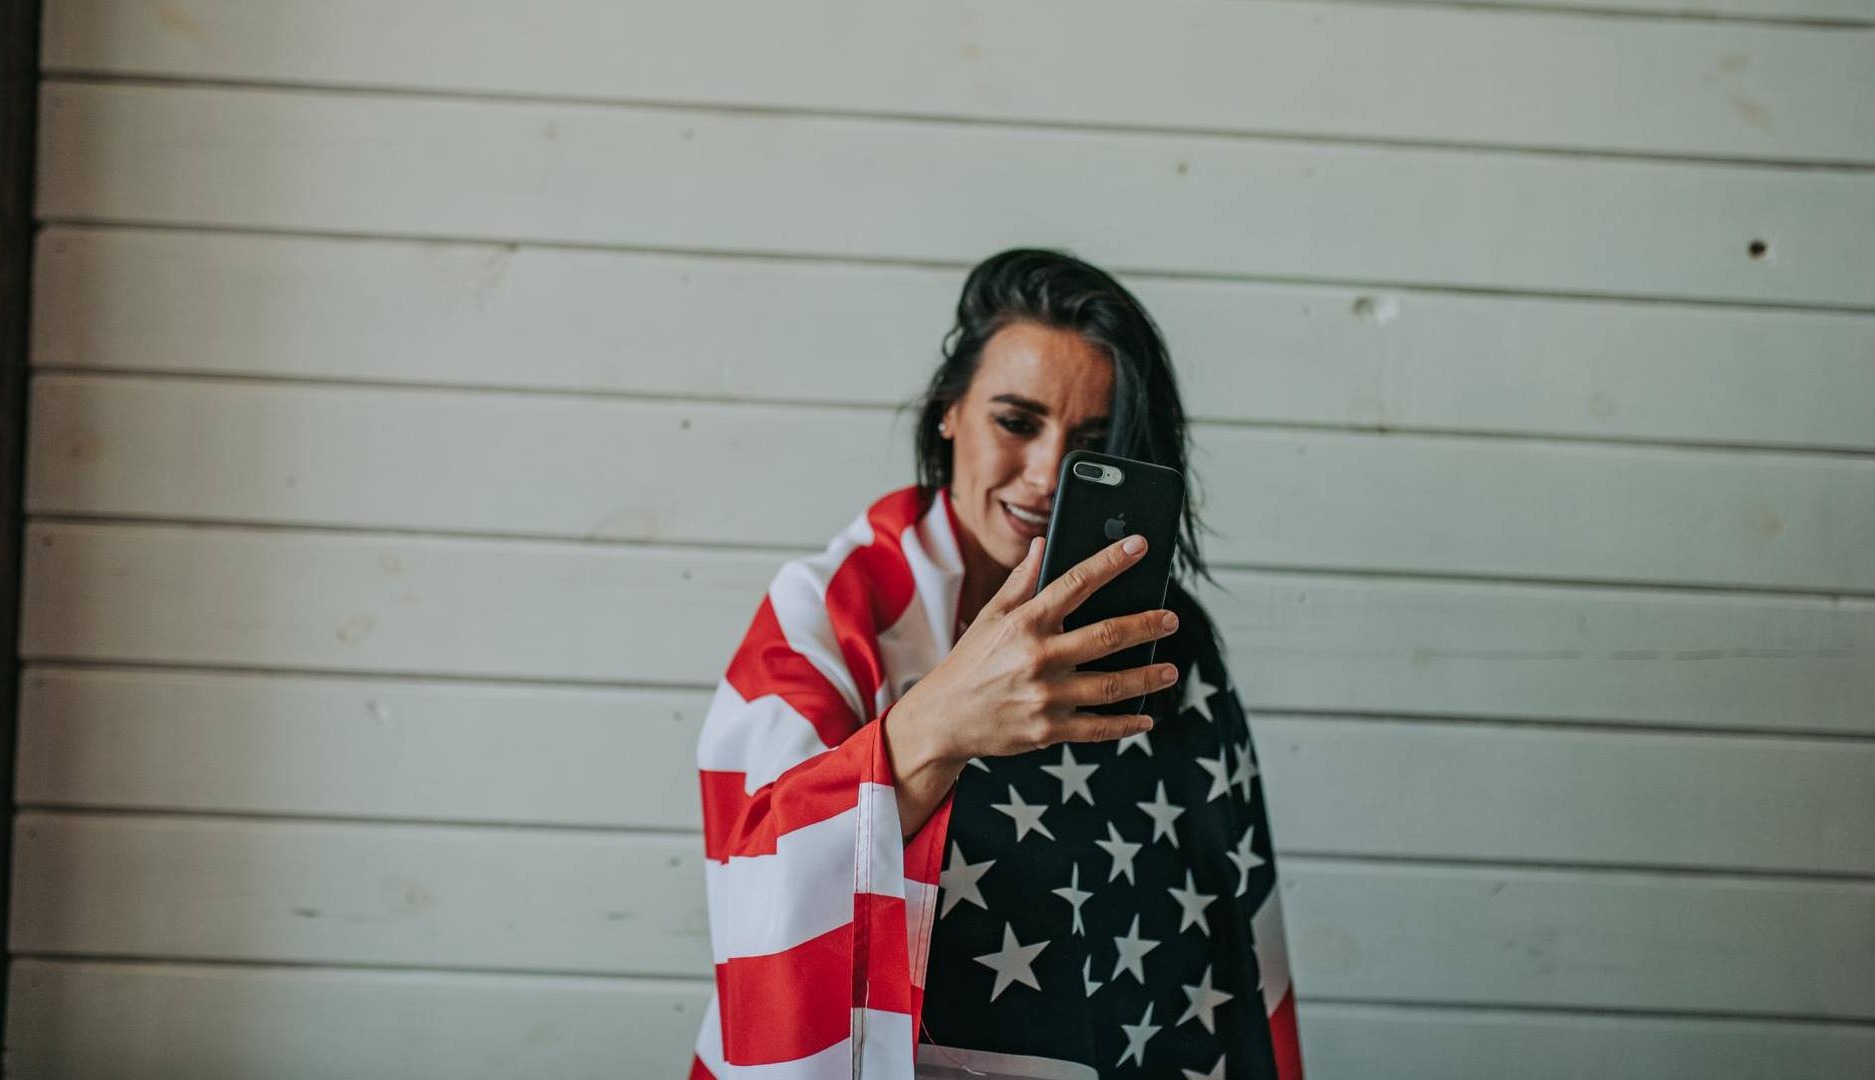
1039 409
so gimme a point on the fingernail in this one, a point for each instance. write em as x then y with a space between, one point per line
1167 674
1134 545
1170 622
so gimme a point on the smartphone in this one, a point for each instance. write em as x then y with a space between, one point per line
1100 498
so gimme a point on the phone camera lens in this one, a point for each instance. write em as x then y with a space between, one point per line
1087 471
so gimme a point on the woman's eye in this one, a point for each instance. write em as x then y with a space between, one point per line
1015 424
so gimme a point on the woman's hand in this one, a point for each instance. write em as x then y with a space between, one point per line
1010 684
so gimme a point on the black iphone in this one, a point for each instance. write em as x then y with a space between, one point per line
1100 498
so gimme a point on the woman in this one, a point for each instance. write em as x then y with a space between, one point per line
924 858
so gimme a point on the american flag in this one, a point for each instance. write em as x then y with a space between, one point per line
821 915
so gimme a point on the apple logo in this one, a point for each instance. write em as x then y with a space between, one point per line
1116 527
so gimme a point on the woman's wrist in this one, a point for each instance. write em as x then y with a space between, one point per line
922 773
912 743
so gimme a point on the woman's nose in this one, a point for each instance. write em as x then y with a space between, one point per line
1042 475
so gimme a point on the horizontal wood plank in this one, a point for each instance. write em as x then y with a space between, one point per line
1352 1042
230 597
1442 790
1836 13
308 307
389 895
599 903
207 1022
212 1022
1492 936
1347 71
779 184
419 459
347 747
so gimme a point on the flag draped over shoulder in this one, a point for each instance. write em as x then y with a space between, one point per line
820 911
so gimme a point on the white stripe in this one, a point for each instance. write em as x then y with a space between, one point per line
799 597
920 904
833 1063
762 904
885 1044
886 843
937 538
1272 949
921 637
762 738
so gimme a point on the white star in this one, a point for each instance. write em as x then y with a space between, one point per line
1087 976
1122 853
1073 777
1132 949
1197 693
1136 1036
1191 904
1219 768
1136 739
977 762
1243 858
1204 1002
1027 816
1245 772
1071 892
959 881
1011 963
1162 814
1216 1073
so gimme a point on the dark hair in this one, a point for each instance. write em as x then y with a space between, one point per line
1057 290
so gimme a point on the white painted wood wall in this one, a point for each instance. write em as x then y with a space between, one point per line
424 391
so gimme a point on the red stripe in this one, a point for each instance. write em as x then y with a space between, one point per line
699 1071
776 1007
827 784
872 588
766 664
1284 1041
772 1007
887 982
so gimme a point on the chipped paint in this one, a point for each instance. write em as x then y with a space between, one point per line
356 629
1378 310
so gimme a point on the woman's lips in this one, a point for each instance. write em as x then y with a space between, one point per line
1022 528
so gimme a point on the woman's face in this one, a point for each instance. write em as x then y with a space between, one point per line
1038 393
